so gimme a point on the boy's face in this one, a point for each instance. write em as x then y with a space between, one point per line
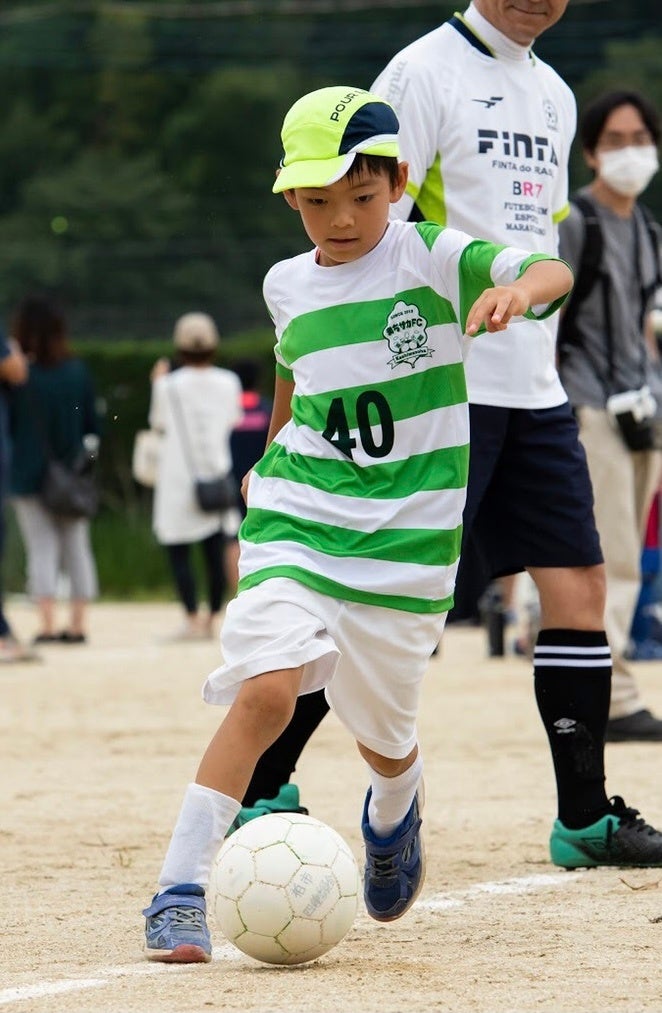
347 219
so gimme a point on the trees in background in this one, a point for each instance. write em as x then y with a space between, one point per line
139 141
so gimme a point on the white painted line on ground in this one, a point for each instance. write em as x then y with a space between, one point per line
524 884
438 902
47 988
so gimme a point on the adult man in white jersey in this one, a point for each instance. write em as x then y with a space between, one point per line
486 128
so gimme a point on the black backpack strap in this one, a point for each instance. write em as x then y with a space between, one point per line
655 236
588 273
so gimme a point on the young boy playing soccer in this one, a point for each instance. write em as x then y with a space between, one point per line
350 544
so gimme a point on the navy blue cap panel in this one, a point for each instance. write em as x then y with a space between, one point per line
371 120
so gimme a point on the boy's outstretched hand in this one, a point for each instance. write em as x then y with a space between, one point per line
543 282
495 308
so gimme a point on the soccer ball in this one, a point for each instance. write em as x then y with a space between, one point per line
284 888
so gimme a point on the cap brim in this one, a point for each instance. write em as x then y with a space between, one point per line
324 172
312 173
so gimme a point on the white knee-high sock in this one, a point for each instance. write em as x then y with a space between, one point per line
392 798
202 824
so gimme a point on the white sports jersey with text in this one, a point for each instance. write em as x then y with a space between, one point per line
486 128
360 495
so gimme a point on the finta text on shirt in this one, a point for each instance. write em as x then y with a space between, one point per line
511 144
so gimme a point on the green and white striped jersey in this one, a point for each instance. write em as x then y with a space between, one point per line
360 495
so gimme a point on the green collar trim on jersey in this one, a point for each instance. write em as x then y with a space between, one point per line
459 24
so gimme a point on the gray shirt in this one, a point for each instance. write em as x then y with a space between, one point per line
588 372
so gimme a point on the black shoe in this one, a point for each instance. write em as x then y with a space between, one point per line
46 638
71 638
641 726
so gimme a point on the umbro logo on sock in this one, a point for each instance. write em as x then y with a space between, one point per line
565 726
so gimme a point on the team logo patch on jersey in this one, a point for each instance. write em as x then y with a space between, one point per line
406 335
551 115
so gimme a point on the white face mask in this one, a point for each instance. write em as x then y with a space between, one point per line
628 171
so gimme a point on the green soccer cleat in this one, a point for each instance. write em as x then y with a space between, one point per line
621 838
286 801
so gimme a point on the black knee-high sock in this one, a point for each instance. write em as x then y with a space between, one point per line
277 764
572 673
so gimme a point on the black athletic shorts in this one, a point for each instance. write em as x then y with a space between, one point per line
529 497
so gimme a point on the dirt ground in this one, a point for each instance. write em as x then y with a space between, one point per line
100 740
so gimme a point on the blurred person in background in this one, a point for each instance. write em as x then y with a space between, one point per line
195 406
13 370
606 366
247 444
51 416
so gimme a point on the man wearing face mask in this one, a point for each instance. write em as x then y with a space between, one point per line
606 367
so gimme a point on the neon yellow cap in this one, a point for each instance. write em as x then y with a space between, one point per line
325 130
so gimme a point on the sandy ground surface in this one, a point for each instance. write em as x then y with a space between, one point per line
99 741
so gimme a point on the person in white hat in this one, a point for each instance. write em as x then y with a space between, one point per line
195 406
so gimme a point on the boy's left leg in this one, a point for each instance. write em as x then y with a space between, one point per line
391 822
375 692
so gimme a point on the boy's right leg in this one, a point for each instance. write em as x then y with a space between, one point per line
175 929
175 926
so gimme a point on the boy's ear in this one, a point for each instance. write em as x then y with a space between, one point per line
400 187
289 195
291 198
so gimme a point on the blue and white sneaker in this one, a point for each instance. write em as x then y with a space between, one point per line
175 928
394 866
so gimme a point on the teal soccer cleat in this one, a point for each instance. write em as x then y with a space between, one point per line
621 838
286 801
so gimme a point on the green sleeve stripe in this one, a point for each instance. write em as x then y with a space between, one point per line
429 232
475 263
407 397
446 468
336 590
284 373
397 545
475 275
349 323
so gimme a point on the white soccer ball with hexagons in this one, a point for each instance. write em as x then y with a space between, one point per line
284 888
